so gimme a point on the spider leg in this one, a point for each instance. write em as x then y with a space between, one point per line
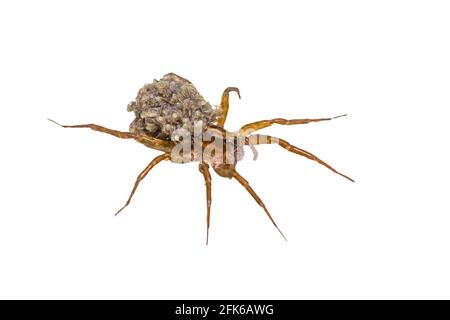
95 127
246 185
203 167
265 139
151 142
142 175
254 126
224 104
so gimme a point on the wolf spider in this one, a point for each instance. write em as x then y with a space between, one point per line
173 104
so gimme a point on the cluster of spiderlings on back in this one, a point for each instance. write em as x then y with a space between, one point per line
171 108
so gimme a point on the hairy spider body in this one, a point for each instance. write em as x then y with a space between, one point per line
171 116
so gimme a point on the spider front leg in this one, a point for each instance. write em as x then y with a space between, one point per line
142 175
224 104
254 126
265 139
246 185
95 127
204 169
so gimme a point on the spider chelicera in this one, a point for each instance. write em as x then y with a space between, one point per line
172 117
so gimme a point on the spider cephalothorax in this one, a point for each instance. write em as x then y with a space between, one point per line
171 116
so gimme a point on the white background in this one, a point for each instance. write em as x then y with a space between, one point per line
385 63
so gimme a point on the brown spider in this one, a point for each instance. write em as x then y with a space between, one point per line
171 116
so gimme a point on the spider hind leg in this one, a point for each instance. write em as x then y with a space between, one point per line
96 127
204 169
142 175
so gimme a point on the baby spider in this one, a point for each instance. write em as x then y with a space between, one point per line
172 117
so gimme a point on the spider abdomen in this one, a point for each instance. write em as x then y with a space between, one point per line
170 108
